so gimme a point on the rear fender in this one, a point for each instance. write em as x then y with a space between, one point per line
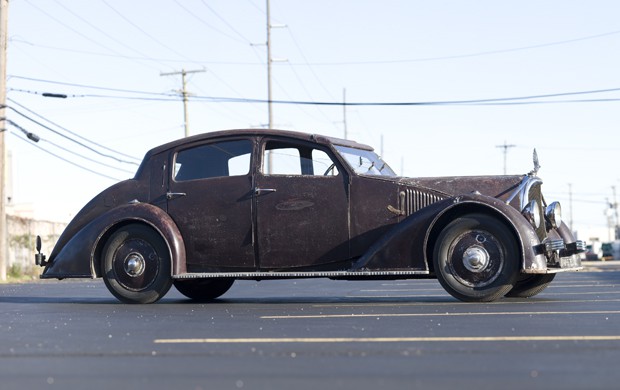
80 257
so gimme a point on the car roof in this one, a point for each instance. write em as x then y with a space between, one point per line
321 139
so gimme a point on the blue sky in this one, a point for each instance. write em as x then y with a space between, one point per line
379 51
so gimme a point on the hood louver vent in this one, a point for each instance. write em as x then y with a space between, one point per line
413 200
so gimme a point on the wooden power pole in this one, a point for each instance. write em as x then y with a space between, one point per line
4 21
184 93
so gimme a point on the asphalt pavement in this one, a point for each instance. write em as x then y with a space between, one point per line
312 334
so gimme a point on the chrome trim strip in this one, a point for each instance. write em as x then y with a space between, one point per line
523 189
310 274
554 245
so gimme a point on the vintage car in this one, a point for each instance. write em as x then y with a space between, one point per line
204 211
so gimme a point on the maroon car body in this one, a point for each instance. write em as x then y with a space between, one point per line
206 210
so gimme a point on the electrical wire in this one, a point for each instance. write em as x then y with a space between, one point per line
30 135
65 160
230 26
469 55
101 31
77 32
509 100
71 139
89 86
72 132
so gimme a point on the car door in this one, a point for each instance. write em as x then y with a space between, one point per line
210 199
302 207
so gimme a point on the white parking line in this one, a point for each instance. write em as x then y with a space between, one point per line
455 302
380 315
383 339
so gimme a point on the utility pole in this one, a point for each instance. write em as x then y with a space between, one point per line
344 111
570 207
505 147
269 60
615 206
4 22
269 108
184 93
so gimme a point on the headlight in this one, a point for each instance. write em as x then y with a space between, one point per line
531 212
553 214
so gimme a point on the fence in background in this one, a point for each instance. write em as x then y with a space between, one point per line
22 234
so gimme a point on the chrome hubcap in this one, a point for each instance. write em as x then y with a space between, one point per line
475 258
134 264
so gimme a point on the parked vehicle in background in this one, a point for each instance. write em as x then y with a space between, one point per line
590 254
205 211
608 251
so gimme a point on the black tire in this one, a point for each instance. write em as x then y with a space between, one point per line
476 258
530 285
136 264
203 290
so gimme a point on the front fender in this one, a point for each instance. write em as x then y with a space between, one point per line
80 256
410 243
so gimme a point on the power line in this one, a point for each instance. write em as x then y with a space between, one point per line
184 93
485 101
101 31
74 133
505 146
230 26
36 138
134 25
89 86
71 139
220 99
469 55
77 32
65 160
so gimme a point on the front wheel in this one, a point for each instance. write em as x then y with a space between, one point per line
476 258
136 264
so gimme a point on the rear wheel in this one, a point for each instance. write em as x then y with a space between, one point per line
203 289
530 285
136 264
476 258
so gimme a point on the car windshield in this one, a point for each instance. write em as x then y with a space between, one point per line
365 162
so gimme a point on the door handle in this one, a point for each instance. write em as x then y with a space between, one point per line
260 191
174 195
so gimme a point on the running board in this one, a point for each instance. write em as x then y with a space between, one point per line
311 274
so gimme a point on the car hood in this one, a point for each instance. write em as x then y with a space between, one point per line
494 186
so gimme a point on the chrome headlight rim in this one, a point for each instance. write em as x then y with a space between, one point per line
553 214
532 214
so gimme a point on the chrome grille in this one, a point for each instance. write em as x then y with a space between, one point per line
414 200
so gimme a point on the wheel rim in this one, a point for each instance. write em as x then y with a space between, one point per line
136 264
475 258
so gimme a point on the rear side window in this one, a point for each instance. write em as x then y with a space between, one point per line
220 159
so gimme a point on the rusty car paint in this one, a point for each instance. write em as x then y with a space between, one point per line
374 223
410 243
88 243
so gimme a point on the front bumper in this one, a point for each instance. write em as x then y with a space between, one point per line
560 256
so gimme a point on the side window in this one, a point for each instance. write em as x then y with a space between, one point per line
283 158
284 161
231 158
